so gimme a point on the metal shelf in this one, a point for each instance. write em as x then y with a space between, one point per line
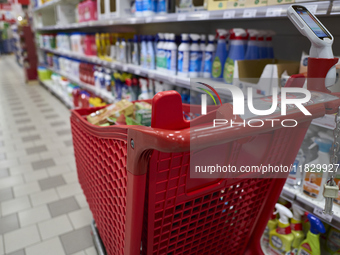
317 7
49 4
311 205
48 84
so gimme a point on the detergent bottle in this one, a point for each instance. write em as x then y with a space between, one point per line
202 47
221 54
296 226
160 53
143 52
269 43
183 57
208 57
311 245
236 52
295 176
252 49
135 51
315 178
281 238
272 224
150 55
172 55
195 57
262 44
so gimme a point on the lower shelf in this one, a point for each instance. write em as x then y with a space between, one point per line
49 85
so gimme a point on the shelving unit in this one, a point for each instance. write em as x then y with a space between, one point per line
49 86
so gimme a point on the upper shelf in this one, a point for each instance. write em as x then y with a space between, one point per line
319 8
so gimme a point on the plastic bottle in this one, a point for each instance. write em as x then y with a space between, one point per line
236 52
296 225
144 89
122 51
208 57
202 48
195 57
129 46
160 53
183 56
295 175
162 6
315 178
172 55
272 224
150 57
158 87
101 78
148 7
220 55
135 51
269 43
252 49
143 52
262 44
333 241
311 245
107 78
139 8
118 49
281 238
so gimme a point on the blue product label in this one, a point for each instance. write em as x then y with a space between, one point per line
154 6
161 7
147 5
139 5
102 82
207 62
183 61
173 60
180 61
168 59
294 168
195 61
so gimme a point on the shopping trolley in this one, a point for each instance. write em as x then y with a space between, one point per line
137 183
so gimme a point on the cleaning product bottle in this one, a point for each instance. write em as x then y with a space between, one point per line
129 46
296 226
252 49
122 51
148 7
143 52
118 49
269 43
262 44
315 178
183 56
135 51
220 55
99 49
333 241
311 245
172 55
236 52
195 57
281 238
166 51
208 57
150 57
202 48
162 6
160 53
139 8
295 176
272 224
144 89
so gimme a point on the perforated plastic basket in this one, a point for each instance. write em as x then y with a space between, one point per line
136 180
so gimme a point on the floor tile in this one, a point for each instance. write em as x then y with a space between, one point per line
26 189
26 129
11 181
79 253
68 143
35 175
51 116
36 149
51 182
6 194
63 206
59 169
54 227
34 215
46 110
2 156
44 197
69 190
4 172
19 252
20 114
77 240
43 164
15 205
31 138
81 199
27 236
42 104
48 247
20 169
23 120
63 132
9 223
91 251
57 123
2 248
81 218
71 177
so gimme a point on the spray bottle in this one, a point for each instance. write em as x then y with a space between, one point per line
272 224
144 89
281 238
195 57
160 53
208 57
252 49
315 178
135 51
311 245
269 43
183 56
236 52
262 44
172 55
202 48
150 57
220 55
296 225
143 52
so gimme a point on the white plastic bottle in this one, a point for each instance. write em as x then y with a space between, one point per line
144 89
135 51
166 52
143 52
150 57
195 57
160 53
122 51
183 57
202 47
162 6
148 7
172 55
295 176
139 8
118 49
317 173
208 57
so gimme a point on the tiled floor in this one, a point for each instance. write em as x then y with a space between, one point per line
42 207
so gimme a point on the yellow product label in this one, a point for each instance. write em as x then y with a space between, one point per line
312 184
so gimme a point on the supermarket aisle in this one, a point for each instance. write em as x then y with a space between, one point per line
42 208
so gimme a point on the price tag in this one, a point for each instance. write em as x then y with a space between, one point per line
229 14
151 75
205 15
312 8
273 12
125 68
111 22
249 13
172 79
148 19
318 212
181 17
137 71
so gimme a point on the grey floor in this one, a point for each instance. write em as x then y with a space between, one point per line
42 208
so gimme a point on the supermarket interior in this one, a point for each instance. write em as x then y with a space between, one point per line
133 127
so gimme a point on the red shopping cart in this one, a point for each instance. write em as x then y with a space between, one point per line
137 183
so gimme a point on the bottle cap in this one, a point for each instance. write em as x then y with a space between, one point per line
185 37
211 38
222 33
252 34
238 34
284 213
324 144
194 37
316 226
